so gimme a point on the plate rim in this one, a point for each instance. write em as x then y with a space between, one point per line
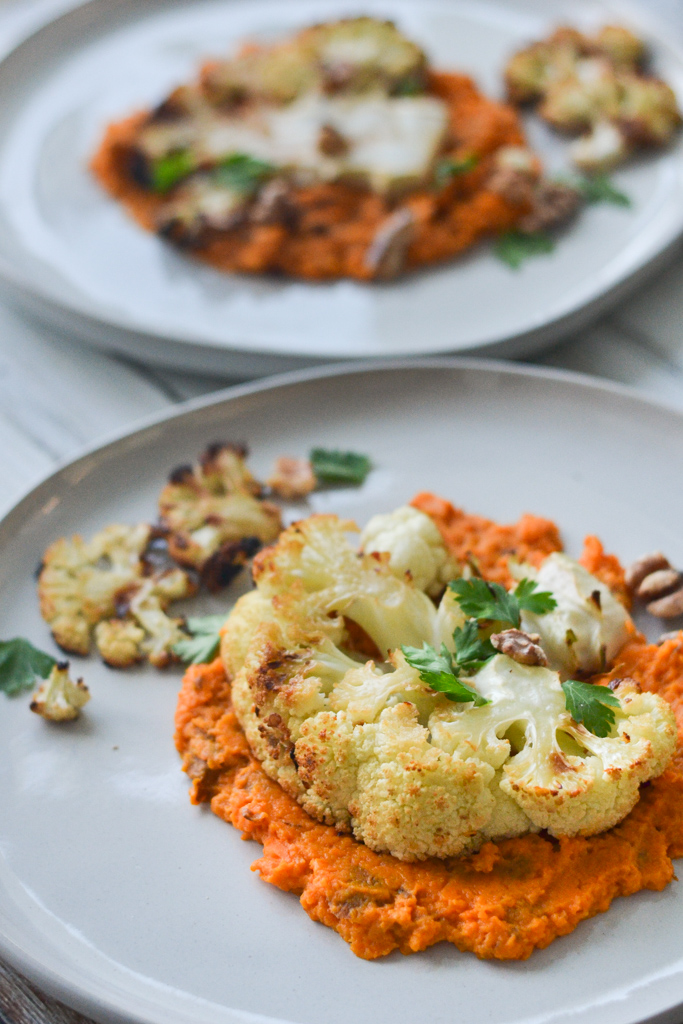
107 1007
124 331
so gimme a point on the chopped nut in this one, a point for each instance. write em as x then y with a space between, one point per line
274 204
552 204
674 634
516 186
292 478
331 142
520 646
658 584
386 254
667 607
643 566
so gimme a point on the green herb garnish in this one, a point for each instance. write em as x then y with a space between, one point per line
203 644
440 672
591 706
167 171
412 85
447 168
483 600
332 467
514 247
242 173
20 664
597 188
471 651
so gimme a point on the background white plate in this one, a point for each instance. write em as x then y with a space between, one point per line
123 899
79 261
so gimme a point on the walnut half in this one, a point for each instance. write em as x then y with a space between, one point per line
521 647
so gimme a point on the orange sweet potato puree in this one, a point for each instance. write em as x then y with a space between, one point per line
503 902
337 221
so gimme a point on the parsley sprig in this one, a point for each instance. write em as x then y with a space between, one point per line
335 467
242 173
483 600
440 671
591 705
515 247
597 188
20 664
167 171
448 168
202 645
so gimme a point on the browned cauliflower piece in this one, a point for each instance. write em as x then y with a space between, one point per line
145 630
80 580
594 85
351 55
215 517
59 699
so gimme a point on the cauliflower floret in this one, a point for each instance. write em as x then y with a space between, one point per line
595 84
215 517
60 699
588 627
372 749
146 631
415 547
351 55
313 559
80 580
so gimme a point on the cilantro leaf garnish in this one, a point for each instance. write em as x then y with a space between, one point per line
439 671
448 168
331 467
514 247
202 646
591 705
20 664
242 173
599 189
167 171
480 599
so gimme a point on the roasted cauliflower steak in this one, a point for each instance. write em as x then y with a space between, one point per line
215 517
366 745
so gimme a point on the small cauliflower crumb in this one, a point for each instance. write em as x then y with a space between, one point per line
292 478
59 699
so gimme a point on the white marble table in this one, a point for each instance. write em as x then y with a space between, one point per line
56 397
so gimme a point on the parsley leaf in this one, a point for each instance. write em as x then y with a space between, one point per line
439 672
20 663
411 85
481 599
514 247
242 173
599 189
471 652
448 168
167 171
202 646
591 705
339 467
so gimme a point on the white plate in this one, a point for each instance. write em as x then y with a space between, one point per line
132 905
78 260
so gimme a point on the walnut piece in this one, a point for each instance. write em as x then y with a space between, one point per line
291 478
667 607
658 584
520 646
387 251
331 142
643 566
